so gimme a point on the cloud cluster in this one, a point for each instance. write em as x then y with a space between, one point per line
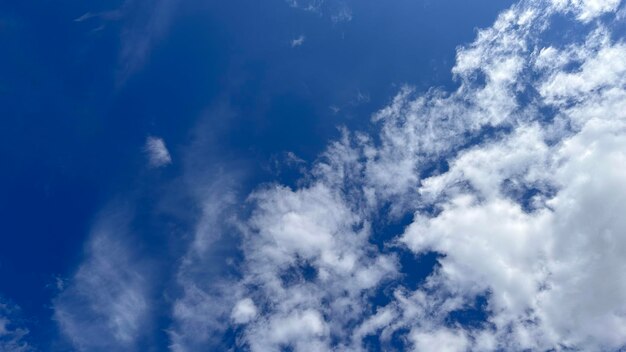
308 259
516 180
12 334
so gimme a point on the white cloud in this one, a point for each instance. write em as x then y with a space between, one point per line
337 10
516 178
305 330
12 333
341 13
244 311
526 205
602 66
308 5
158 155
551 274
147 24
298 41
442 340
587 10
208 296
143 25
105 305
85 17
307 258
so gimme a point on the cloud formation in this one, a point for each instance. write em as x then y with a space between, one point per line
158 155
515 179
105 306
12 334
208 296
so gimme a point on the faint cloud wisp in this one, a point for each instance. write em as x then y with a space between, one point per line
157 152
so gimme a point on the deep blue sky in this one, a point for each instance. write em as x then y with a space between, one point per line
76 110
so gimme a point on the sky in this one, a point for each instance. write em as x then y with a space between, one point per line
313 175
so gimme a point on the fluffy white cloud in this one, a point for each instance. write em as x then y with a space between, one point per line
516 178
307 260
244 311
443 340
305 330
551 273
158 155
587 10
522 168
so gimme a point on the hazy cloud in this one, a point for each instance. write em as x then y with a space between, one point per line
12 333
104 306
516 178
158 155
298 41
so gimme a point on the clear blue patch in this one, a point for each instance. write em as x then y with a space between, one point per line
472 316
299 273
529 197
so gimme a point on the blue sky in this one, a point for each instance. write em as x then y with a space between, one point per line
305 175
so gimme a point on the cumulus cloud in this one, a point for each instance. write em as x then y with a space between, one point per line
443 340
244 311
587 10
307 259
515 178
157 152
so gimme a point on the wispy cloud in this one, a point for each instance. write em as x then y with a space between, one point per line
104 306
337 10
12 333
205 274
341 12
157 152
84 17
113 15
142 25
208 292
298 41
150 21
